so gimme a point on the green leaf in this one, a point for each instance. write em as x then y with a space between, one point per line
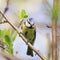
7 40
22 14
25 16
1 33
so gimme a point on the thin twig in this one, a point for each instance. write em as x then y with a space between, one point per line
24 39
4 12
6 8
50 25
3 22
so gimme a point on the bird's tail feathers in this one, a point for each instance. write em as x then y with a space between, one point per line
29 51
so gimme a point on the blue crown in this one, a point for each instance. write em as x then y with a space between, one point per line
30 19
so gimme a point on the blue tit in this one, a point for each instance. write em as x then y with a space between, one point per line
29 31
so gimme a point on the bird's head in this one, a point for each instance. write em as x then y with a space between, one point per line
29 22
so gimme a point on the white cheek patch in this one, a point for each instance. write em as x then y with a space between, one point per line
27 24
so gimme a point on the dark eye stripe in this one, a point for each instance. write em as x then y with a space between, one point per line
29 23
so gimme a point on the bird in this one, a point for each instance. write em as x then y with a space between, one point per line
29 31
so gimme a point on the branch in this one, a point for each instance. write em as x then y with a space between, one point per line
8 56
24 39
20 23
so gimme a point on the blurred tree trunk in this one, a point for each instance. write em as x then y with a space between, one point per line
54 31
54 40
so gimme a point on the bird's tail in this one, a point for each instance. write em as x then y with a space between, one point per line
29 51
